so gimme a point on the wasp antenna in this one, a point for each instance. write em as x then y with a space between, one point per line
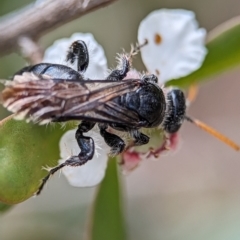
136 49
214 133
143 44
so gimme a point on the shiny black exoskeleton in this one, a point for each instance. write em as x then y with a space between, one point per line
147 104
77 52
176 110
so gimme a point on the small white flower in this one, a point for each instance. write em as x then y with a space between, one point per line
97 67
175 43
93 171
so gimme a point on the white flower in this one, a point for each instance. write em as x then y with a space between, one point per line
97 67
93 171
175 43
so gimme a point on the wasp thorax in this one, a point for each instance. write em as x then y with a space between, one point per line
148 102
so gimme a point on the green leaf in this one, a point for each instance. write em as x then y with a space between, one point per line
107 215
4 207
24 149
223 53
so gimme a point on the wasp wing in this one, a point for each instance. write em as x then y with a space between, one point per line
43 99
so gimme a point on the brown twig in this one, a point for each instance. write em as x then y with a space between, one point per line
30 50
32 22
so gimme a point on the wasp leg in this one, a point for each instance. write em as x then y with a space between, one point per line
78 51
116 143
120 74
73 161
87 147
86 144
140 138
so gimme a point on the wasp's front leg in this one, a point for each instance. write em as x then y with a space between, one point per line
86 145
121 73
116 144
78 51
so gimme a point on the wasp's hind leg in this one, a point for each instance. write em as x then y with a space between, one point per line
116 144
121 73
86 145
78 51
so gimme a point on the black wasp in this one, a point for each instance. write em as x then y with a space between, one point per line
56 93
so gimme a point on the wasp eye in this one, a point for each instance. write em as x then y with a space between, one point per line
176 111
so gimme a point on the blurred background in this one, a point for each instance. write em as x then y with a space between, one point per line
193 193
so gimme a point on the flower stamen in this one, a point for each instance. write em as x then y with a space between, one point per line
157 38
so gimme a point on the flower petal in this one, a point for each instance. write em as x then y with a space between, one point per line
175 43
97 67
93 171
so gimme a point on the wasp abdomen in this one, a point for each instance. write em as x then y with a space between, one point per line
56 71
